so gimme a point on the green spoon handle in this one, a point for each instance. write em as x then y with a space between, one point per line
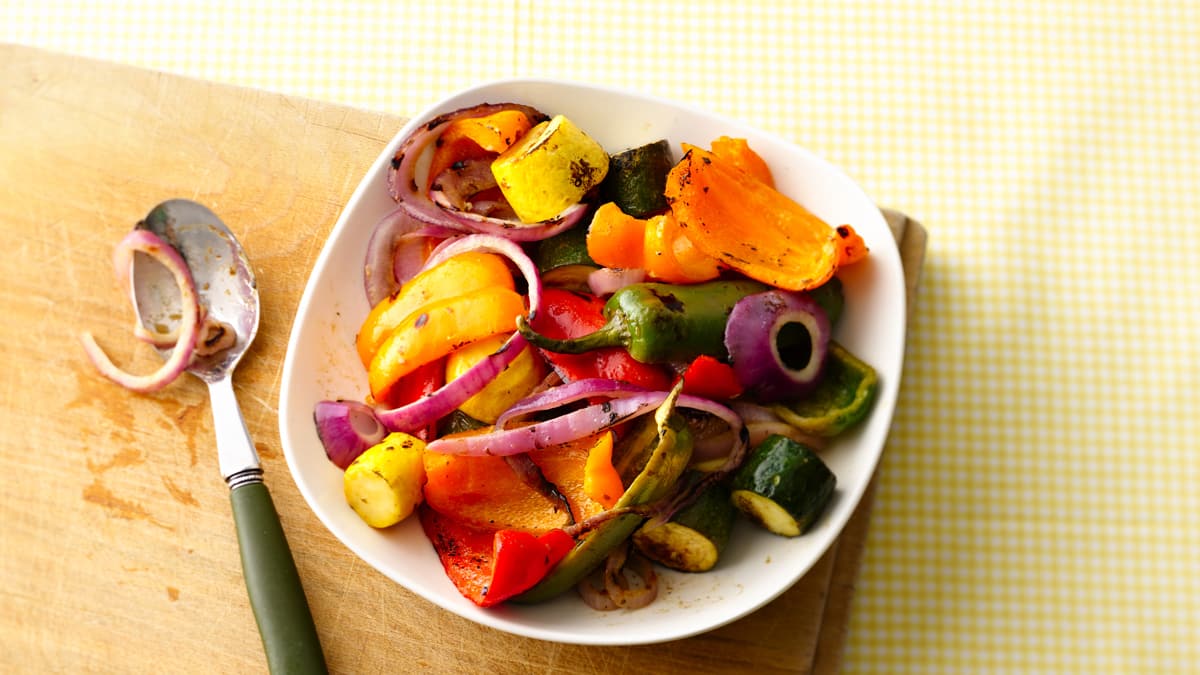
273 584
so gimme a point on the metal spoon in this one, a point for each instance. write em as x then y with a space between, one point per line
227 290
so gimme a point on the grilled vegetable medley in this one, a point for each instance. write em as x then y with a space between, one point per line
587 363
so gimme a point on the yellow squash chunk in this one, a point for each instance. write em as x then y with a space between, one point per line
511 385
384 484
549 169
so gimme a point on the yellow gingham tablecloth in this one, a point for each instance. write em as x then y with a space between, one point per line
1038 508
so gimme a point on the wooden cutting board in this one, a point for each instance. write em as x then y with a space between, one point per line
117 548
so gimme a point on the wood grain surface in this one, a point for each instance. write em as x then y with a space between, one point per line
117 547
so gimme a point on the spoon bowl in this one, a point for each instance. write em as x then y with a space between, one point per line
225 282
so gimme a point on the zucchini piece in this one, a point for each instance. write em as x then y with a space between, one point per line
383 485
672 450
562 250
563 260
695 537
843 397
637 179
783 486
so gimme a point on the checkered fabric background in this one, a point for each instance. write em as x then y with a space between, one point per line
1038 506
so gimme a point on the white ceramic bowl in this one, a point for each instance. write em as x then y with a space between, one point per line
322 363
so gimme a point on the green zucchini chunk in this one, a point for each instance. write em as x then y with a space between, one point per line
563 250
637 179
693 540
842 398
783 486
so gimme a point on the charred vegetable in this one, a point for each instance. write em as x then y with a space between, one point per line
636 179
784 486
693 539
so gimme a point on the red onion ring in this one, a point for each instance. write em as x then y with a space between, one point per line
403 170
424 411
454 187
152 245
626 581
486 242
395 251
346 429
621 406
563 429
753 338
570 392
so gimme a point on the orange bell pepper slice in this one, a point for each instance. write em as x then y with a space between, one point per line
601 481
615 238
477 138
460 274
750 226
439 328
672 257
656 244
738 152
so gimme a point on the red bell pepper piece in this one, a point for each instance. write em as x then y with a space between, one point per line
520 560
570 314
711 378
421 382
489 566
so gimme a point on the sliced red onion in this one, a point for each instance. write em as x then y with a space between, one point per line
623 404
762 422
564 394
486 242
478 221
600 387
189 324
346 429
454 187
401 176
777 341
608 280
563 429
395 252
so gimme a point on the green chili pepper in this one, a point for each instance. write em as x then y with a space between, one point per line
659 323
